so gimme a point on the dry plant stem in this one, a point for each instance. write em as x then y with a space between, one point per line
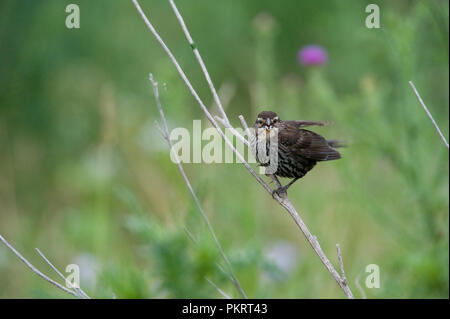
226 93
78 290
361 290
232 130
429 114
34 269
220 291
283 201
244 125
286 203
190 235
341 263
200 61
191 190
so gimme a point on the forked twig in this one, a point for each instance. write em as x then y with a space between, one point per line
244 125
35 270
341 263
232 130
79 291
429 114
191 190
283 201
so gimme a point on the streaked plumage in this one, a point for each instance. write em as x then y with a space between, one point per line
298 149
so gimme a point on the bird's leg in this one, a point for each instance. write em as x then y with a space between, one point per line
274 179
277 182
283 189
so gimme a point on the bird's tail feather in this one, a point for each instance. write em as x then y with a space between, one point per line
336 143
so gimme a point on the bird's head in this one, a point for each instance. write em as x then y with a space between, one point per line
266 120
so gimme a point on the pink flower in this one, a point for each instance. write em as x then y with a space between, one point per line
312 55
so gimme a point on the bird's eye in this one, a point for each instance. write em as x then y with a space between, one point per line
275 120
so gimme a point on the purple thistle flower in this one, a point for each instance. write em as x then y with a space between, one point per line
312 55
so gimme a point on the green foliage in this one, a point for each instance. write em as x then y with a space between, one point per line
84 170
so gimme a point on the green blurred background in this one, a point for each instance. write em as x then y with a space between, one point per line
86 176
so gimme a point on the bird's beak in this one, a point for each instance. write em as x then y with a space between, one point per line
268 126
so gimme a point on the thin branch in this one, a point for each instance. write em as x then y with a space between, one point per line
78 290
34 269
361 290
283 201
429 114
226 93
191 190
244 125
220 291
341 263
161 131
232 130
200 61
190 235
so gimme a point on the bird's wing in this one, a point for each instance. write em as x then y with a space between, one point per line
306 144
299 124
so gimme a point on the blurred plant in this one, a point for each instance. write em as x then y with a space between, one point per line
182 270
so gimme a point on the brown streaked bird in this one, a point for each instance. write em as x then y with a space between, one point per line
298 149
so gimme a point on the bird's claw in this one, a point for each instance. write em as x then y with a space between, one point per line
280 191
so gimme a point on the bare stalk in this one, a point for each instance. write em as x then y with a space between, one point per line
429 114
200 61
341 263
78 290
232 130
361 290
283 201
34 269
244 125
191 190
220 291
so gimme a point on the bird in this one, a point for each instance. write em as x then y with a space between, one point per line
298 149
